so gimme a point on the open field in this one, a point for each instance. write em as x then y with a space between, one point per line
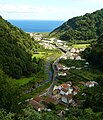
80 45
36 78
52 54
23 81
39 55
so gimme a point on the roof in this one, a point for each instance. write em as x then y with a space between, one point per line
35 104
38 98
64 86
89 83
59 66
50 99
64 90
69 82
76 88
69 96
83 83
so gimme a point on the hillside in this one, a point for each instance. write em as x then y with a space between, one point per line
16 48
94 54
86 27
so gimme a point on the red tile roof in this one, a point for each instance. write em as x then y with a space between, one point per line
38 98
89 83
65 86
83 83
51 99
36 105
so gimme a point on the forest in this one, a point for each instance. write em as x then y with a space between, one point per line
86 27
94 53
16 50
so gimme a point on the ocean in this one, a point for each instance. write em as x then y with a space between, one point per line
36 25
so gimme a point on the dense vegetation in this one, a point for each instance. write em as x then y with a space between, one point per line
16 48
9 93
71 114
94 53
86 27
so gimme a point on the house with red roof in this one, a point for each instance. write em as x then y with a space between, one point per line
51 99
37 106
91 83
38 98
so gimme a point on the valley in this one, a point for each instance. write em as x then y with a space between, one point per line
56 75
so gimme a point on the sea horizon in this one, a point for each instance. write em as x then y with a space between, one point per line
36 25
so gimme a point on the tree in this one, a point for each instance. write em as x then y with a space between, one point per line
9 93
5 116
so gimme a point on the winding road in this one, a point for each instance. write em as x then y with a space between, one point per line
55 72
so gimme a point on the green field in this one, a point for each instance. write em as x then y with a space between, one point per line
39 55
23 81
52 54
80 45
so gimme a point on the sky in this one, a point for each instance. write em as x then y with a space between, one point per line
47 9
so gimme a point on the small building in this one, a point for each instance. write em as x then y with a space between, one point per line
65 86
79 68
51 99
37 106
69 83
70 90
71 57
64 91
78 58
91 83
59 66
76 90
67 98
82 83
38 99
72 67
87 63
73 50
63 74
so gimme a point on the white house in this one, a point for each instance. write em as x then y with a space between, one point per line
72 67
91 83
62 74
69 83
70 90
78 58
87 63
64 91
73 50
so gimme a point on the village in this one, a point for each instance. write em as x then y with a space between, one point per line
62 94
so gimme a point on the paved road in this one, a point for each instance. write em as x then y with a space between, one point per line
50 91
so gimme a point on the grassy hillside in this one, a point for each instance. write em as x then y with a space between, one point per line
86 27
16 48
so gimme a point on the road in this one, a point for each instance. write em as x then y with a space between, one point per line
49 92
